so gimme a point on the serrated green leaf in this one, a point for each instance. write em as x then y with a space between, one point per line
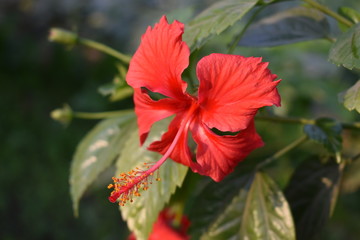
289 26
214 20
95 153
351 97
258 211
346 50
312 193
327 132
350 13
143 211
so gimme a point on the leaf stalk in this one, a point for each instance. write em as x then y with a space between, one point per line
329 12
282 152
99 115
304 121
241 34
105 49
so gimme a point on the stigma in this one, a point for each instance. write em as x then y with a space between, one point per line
129 185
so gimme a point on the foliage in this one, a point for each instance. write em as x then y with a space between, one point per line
290 26
345 50
214 20
313 187
250 204
96 152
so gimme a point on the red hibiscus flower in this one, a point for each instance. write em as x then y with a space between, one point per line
232 88
164 228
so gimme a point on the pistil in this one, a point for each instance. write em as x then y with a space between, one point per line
129 185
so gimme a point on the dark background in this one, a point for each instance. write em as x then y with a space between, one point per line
37 76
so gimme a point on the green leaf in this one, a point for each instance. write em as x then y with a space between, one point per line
257 211
312 193
143 212
214 20
327 132
211 202
350 13
95 153
351 97
346 50
289 26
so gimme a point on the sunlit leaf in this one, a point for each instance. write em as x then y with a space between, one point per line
351 97
256 210
142 213
290 26
346 50
95 153
312 193
350 13
214 20
327 132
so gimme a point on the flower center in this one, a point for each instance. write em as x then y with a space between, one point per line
129 185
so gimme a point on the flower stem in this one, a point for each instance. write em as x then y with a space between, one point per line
329 12
99 115
105 49
282 152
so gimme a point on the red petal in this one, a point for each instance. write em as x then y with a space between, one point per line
160 59
149 111
217 155
181 152
232 89
163 229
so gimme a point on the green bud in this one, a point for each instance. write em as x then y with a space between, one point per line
62 36
63 115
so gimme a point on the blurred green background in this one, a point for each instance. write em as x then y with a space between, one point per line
37 76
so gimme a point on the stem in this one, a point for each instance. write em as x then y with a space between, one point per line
240 35
285 119
356 157
353 125
329 12
99 115
105 49
330 39
282 152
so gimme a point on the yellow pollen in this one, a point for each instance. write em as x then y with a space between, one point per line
129 184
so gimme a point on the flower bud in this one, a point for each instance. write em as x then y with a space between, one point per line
62 36
63 115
